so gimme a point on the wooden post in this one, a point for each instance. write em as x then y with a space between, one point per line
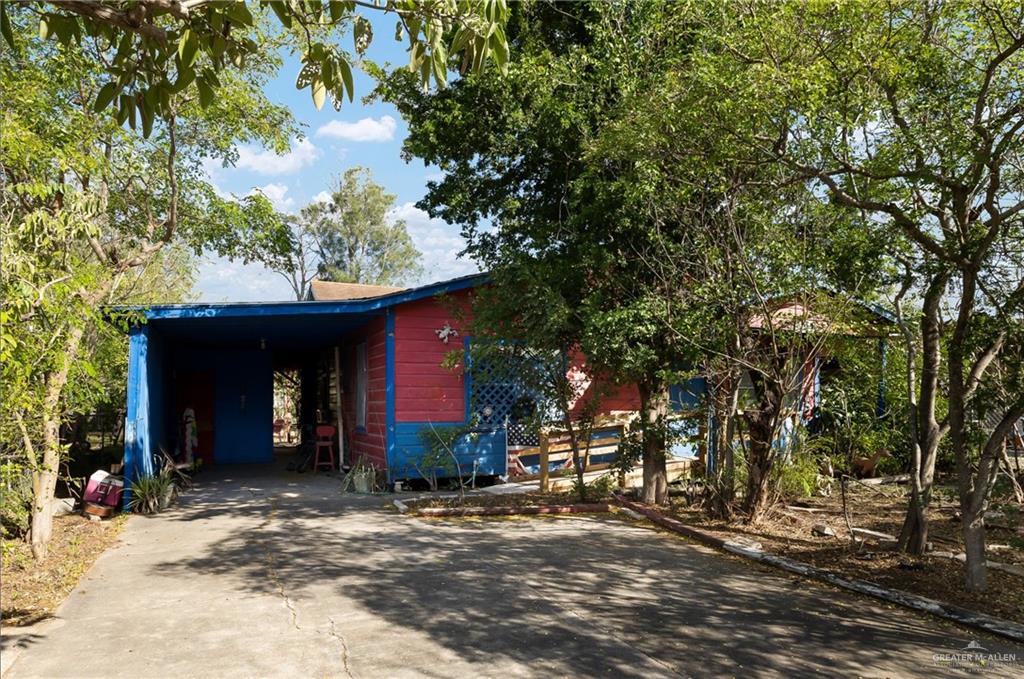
544 466
622 472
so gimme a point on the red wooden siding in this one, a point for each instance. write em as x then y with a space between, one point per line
368 444
615 397
424 390
427 392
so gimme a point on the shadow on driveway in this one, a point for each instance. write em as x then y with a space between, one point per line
540 596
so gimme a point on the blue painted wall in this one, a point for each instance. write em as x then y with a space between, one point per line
243 402
487 448
155 381
137 460
689 394
244 408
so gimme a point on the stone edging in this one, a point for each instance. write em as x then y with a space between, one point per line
1005 628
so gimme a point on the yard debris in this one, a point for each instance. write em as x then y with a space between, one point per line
885 480
873 535
1012 569
823 531
631 514
401 506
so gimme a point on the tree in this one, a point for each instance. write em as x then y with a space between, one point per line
526 334
910 115
299 265
161 48
87 205
91 202
517 180
354 237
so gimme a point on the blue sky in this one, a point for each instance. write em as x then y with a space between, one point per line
358 134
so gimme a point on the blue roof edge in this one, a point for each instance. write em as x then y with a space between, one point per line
263 309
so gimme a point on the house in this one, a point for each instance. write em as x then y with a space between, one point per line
367 360
366 357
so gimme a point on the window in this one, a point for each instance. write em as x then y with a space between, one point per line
362 374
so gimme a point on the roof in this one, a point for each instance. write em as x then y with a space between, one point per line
306 307
321 291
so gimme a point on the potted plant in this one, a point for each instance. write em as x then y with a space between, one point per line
364 477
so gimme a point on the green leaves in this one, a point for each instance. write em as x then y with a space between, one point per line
188 48
105 96
5 26
346 78
319 92
206 93
153 46
362 35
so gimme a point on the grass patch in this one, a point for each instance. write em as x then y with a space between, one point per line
30 591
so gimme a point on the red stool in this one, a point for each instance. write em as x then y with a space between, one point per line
324 439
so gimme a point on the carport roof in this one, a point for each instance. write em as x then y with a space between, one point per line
294 325
306 307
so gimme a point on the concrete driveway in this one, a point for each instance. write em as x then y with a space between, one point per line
278 576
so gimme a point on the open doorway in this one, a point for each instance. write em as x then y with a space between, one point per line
308 401
287 396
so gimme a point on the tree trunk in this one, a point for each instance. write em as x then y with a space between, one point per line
974 546
44 477
975 485
759 466
654 401
763 425
577 463
724 401
925 430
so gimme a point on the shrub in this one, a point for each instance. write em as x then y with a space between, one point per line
599 488
15 500
798 476
148 493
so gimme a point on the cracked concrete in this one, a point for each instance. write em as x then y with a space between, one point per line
260 574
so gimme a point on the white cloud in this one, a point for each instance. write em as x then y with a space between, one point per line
364 129
303 152
439 242
222 280
322 197
276 194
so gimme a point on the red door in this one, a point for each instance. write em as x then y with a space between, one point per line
196 390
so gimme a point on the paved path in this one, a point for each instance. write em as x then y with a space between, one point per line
282 577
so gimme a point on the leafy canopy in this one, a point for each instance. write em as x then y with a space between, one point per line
154 50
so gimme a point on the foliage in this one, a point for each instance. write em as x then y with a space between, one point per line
847 424
798 475
148 493
546 223
909 115
156 52
93 214
440 458
15 499
598 489
354 237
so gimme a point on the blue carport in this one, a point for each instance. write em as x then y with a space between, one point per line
234 348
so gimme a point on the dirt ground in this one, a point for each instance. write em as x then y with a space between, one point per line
789 531
30 592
